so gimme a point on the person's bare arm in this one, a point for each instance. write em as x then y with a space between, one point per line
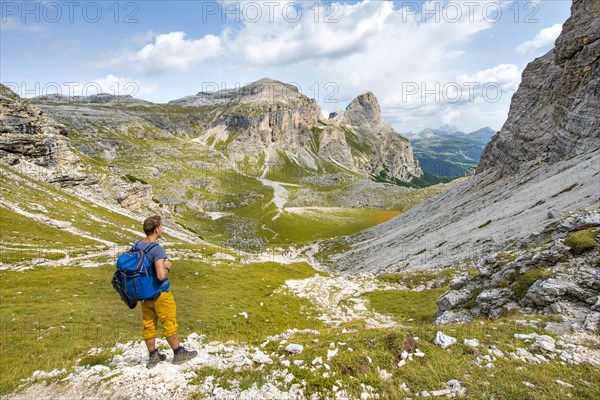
162 268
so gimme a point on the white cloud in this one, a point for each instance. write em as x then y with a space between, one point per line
505 76
141 38
450 117
543 40
314 37
123 86
170 53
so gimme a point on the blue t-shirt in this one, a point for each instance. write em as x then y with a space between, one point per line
156 253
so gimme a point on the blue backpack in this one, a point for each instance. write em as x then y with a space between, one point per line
135 278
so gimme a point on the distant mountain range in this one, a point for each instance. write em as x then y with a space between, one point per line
448 152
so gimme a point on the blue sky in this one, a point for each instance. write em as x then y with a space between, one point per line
429 63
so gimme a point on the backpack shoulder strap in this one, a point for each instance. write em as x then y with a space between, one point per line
153 245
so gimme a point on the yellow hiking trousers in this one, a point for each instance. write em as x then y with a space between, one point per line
160 309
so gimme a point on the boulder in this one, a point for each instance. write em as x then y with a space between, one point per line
453 299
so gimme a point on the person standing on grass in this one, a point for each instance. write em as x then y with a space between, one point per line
162 308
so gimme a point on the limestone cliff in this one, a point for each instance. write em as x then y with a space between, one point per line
555 114
376 146
29 137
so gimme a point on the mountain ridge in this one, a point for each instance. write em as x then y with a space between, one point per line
266 123
449 153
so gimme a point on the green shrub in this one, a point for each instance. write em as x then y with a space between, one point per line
581 241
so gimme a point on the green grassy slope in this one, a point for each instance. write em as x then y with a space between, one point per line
50 316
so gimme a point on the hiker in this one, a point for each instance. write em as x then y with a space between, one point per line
162 308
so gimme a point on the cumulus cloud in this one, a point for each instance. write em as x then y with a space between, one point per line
123 85
450 117
170 53
142 38
410 58
543 40
505 77
318 34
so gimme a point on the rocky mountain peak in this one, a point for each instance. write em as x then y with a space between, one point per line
265 90
364 109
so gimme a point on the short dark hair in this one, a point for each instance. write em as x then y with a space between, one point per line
151 224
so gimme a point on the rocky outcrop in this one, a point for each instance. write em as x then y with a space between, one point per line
554 113
363 110
264 90
549 273
39 146
375 146
29 137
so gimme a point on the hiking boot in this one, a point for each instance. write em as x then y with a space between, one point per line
184 355
155 358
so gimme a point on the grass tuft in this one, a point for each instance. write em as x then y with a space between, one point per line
581 241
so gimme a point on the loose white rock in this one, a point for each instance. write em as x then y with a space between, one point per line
261 358
332 353
294 348
523 336
565 384
443 340
546 343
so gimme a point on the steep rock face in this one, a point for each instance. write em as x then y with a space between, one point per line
363 110
554 113
28 136
377 148
266 116
539 168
